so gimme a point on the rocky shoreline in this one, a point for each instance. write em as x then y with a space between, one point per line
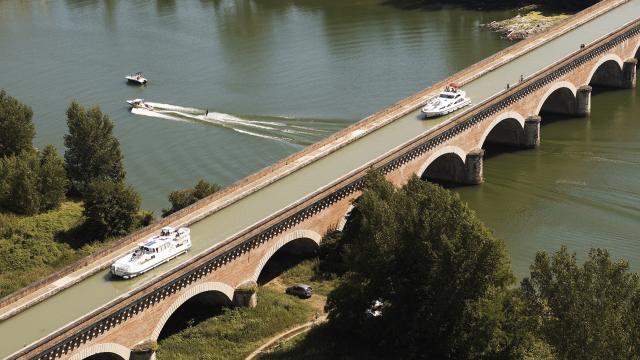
523 26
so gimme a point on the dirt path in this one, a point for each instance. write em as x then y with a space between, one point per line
286 335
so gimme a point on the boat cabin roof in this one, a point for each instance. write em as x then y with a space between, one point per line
151 244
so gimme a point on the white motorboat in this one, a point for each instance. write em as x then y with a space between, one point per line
451 99
136 78
153 252
139 104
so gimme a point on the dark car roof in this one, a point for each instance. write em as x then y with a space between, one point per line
303 286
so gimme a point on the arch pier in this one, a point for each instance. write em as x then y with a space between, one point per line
450 167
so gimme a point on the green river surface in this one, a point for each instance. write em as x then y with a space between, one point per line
278 75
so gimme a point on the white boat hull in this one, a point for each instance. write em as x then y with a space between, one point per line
433 113
152 253
153 263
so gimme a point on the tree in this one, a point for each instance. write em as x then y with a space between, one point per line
110 208
53 179
21 194
93 152
588 311
180 199
422 257
16 128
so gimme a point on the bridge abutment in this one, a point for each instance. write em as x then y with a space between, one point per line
629 74
583 100
246 295
531 138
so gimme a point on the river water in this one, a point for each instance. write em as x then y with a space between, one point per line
278 75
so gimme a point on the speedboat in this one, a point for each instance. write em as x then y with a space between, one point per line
139 104
136 78
451 99
155 251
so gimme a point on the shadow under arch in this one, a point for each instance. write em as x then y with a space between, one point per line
607 72
198 303
107 351
559 99
288 250
506 130
445 168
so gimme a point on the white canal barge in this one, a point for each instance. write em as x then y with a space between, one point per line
153 252
451 99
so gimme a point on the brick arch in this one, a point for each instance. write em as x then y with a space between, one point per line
556 86
500 118
112 348
343 220
444 150
189 294
636 49
282 241
606 58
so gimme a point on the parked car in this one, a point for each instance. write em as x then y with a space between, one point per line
300 290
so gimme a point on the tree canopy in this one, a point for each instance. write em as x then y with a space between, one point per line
180 199
93 152
110 208
422 257
16 128
588 311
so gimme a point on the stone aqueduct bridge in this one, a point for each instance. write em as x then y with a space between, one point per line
451 151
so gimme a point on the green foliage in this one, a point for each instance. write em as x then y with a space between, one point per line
30 183
110 208
93 152
422 253
20 183
238 331
180 199
145 347
16 128
144 218
331 254
53 179
588 311
29 249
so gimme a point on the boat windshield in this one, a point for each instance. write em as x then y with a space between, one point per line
446 96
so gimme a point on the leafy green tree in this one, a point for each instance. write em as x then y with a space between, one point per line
21 194
16 128
93 152
180 199
53 179
110 208
588 311
431 266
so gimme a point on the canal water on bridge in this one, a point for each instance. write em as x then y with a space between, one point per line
277 75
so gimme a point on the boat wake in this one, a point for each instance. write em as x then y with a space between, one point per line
278 128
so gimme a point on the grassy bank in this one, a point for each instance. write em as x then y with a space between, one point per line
32 247
238 331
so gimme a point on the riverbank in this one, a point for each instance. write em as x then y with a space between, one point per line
523 26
